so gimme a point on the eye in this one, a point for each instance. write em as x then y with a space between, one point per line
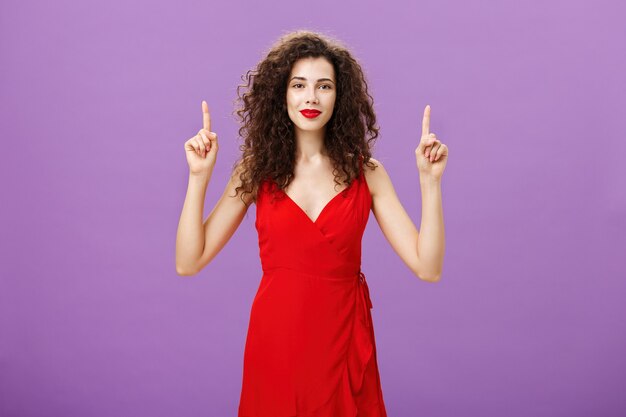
328 87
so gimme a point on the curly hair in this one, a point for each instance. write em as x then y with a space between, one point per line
269 146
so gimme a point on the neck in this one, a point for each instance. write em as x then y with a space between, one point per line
309 145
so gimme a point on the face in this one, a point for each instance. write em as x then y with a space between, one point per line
311 86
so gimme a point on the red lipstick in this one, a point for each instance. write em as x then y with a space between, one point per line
310 113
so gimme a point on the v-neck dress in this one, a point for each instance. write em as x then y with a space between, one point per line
310 349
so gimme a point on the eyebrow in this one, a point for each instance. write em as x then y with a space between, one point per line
319 79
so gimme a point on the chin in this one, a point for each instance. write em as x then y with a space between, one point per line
317 125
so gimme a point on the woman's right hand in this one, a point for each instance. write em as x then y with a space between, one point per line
201 150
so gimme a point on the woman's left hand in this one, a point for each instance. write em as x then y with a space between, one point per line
431 154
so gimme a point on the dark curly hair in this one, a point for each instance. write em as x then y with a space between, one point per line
269 146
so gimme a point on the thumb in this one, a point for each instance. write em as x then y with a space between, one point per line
426 142
213 138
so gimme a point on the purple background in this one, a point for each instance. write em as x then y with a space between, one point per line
97 99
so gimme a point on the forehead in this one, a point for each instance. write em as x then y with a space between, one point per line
313 68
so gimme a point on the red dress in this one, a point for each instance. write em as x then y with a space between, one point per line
310 349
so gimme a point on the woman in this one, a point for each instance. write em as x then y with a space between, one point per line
308 124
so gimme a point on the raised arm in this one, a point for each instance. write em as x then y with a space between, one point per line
422 251
198 242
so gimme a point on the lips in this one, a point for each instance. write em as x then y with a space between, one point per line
310 114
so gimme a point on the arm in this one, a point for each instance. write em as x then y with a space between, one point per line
189 236
431 243
197 243
421 252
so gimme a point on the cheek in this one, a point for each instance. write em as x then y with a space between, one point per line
291 99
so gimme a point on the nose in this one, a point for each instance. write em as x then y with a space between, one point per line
311 97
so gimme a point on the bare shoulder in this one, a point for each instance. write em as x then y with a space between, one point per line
375 176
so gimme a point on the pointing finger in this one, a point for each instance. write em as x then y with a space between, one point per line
206 117
426 121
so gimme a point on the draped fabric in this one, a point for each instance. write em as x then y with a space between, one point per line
310 348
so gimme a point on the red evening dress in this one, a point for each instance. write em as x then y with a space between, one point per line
310 349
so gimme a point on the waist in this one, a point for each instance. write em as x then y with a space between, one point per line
345 272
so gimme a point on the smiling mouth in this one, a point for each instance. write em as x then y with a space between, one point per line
310 114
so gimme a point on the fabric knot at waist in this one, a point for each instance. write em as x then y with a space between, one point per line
365 298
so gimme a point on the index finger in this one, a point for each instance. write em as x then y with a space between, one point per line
426 121
206 117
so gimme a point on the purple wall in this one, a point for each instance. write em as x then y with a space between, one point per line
97 99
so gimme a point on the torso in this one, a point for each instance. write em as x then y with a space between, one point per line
312 188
